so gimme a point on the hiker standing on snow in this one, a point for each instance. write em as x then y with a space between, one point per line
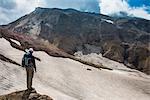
28 61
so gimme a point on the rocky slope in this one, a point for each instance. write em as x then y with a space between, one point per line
125 40
25 95
22 41
66 79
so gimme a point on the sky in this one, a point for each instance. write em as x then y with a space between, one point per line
10 10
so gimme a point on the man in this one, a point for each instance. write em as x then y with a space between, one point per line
28 61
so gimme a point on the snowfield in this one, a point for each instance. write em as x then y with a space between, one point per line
66 79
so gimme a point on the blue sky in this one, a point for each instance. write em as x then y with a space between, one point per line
138 3
11 10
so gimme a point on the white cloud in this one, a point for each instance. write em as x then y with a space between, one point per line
109 7
21 7
3 17
112 6
140 12
29 5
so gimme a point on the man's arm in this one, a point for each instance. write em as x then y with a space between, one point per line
37 58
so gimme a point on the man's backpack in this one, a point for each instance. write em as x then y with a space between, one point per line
28 61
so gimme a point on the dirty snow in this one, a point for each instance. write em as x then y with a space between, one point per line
117 67
99 59
66 79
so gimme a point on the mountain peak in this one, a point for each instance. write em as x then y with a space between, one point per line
37 9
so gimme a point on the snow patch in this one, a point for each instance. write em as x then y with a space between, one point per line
15 41
109 21
49 25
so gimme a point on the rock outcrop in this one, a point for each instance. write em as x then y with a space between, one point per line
25 95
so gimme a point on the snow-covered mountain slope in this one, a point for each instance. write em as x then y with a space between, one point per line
66 79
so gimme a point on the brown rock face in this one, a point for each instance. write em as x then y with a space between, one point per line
25 95
113 51
139 57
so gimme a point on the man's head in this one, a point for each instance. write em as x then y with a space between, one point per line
31 50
